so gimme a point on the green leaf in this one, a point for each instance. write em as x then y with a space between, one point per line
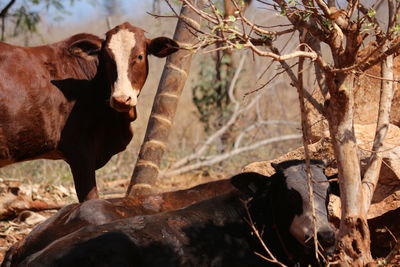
371 13
283 12
306 16
232 18
239 46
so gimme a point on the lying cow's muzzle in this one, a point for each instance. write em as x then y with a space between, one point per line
326 239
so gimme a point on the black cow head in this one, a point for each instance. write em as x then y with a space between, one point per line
286 200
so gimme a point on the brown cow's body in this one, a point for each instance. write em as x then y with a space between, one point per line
54 102
33 110
97 211
42 120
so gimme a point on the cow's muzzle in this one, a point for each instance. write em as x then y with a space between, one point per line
122 103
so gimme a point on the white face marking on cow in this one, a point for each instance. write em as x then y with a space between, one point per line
302 225
121 45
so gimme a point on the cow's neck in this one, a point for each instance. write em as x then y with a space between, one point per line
239 209
101 86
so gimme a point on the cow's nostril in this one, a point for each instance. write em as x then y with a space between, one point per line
121 103
122 100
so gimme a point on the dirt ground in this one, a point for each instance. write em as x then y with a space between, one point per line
23 206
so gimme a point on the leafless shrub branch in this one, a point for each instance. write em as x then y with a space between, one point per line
271 258
198 159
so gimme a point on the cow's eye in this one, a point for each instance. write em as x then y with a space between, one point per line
140 57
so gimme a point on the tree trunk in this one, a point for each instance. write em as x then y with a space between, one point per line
164 107
371 176
353 239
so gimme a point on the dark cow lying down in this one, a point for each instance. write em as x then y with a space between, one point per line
213 232
101 211
55 99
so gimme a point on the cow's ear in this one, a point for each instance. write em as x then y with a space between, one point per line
250 183
161 46
334 187
85 48
275 166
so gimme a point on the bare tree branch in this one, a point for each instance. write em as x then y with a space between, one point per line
371 175
4 11
305 128
244 132
272 258
218 158
312 55
395 251
3 14
295 83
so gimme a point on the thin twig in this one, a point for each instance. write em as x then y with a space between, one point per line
305 127
380 78
395 251
3 15
255 231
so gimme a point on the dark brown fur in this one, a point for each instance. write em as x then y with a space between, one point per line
213 232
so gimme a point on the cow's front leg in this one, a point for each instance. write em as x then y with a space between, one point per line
84 175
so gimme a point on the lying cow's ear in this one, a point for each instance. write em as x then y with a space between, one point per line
162 46
334 187
85 48
250 183
275 166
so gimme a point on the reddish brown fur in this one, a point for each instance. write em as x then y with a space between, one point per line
54 103
95 212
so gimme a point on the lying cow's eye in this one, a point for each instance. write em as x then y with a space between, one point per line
140 57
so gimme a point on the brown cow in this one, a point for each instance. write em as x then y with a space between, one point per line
100 211
54 99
